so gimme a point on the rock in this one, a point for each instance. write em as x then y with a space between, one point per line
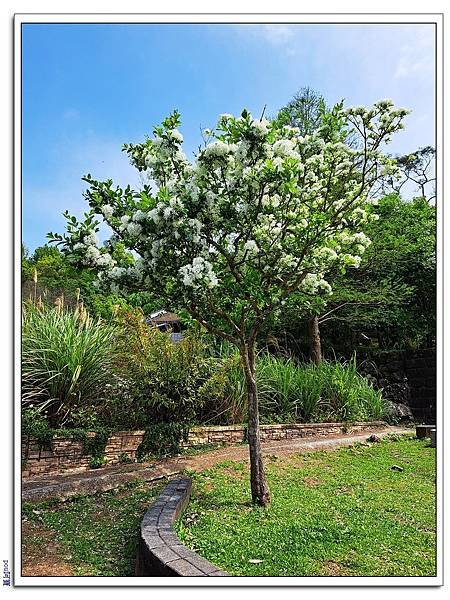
371 379
400 411
373 438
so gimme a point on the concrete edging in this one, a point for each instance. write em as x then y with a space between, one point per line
160 551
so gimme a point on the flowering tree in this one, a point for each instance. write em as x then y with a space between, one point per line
260 213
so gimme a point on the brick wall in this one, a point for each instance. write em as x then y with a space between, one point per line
67 454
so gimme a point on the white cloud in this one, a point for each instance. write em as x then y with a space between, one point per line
416 58
278 35
408 67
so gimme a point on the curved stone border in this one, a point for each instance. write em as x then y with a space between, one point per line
160 552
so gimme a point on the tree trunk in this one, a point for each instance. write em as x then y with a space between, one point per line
259 489
315 346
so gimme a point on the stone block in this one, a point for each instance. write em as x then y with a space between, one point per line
423 431
184 568
433 438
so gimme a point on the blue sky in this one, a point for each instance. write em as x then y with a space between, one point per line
87 89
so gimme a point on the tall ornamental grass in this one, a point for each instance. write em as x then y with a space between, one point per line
289 391
67 360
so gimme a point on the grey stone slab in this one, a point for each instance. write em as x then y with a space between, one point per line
165 554
182 551
154 542
149 519
170 538
185 569
149 530
165 521
202 564
195 559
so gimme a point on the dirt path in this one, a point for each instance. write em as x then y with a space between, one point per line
41 554
65 485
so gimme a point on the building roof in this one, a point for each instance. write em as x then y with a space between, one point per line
163 316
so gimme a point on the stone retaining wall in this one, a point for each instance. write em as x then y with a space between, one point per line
160 552
407 377
67 454
232 434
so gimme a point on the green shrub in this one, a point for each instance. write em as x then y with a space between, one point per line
97 462
233 407
125 459
92 375
67 360
34 424
162 439
165 381
106 307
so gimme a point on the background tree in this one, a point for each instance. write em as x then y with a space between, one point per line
390 299
58 277
304 111
417 169
402 257
262 212
55 276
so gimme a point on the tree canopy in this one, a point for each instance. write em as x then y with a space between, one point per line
261 212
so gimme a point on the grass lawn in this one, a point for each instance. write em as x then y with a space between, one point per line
91 535
343 513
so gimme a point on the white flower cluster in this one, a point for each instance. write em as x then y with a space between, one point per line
124 222
139 216
381 116
314 283
134 229
199 273
107 211
251 246
325 256
351 260
176 135
285 148
257 195
91 254
260 127
90 239
117 272
217 149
